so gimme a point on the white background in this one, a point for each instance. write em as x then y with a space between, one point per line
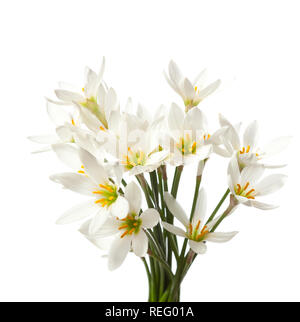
253 46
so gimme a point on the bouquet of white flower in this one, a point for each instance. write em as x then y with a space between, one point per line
105 146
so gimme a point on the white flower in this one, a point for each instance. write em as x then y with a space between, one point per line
92 180
192 93
133 144
246 187
189 139
129 231
246 148
195 231
95 100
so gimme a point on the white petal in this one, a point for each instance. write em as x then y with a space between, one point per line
198 247
195 120
109 228
92 167
157 157
199 77
220 237
118 251
134 197
251 135
120 208
251 174
140 244
275 146
68 96
91 82
57 114
102 68
175 209
65 133
204 151
270 184
189 90
209 89
75 182
234 171
175 119
78 212
201 205
68 154
98 220
262 205
150 218
174 72
173 229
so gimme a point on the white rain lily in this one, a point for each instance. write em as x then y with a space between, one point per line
95 100
188 137
247 149
129 232
196 230
192 92
133 145
92 180
246 185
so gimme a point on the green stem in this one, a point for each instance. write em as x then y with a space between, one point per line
143 183
212 216
148 275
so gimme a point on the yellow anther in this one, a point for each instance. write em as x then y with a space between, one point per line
248 149
80 171
246 186
73 123
124 234
123 227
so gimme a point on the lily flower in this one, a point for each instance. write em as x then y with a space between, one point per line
246 186
247 149
95 100
196 230
128 232
192 92
188 138
92 180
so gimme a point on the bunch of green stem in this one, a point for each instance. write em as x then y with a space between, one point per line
164 277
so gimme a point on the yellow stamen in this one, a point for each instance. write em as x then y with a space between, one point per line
82 167
100 201
197 227
243 150
191 228
125 233
196 88
98 192
102 128
249 192
246 186
122 227
248 149
80 171
239 189
73 123
82 89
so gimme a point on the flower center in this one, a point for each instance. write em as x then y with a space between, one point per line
187 145
247 149
130 225
245 191
133 159
108 194
194 233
